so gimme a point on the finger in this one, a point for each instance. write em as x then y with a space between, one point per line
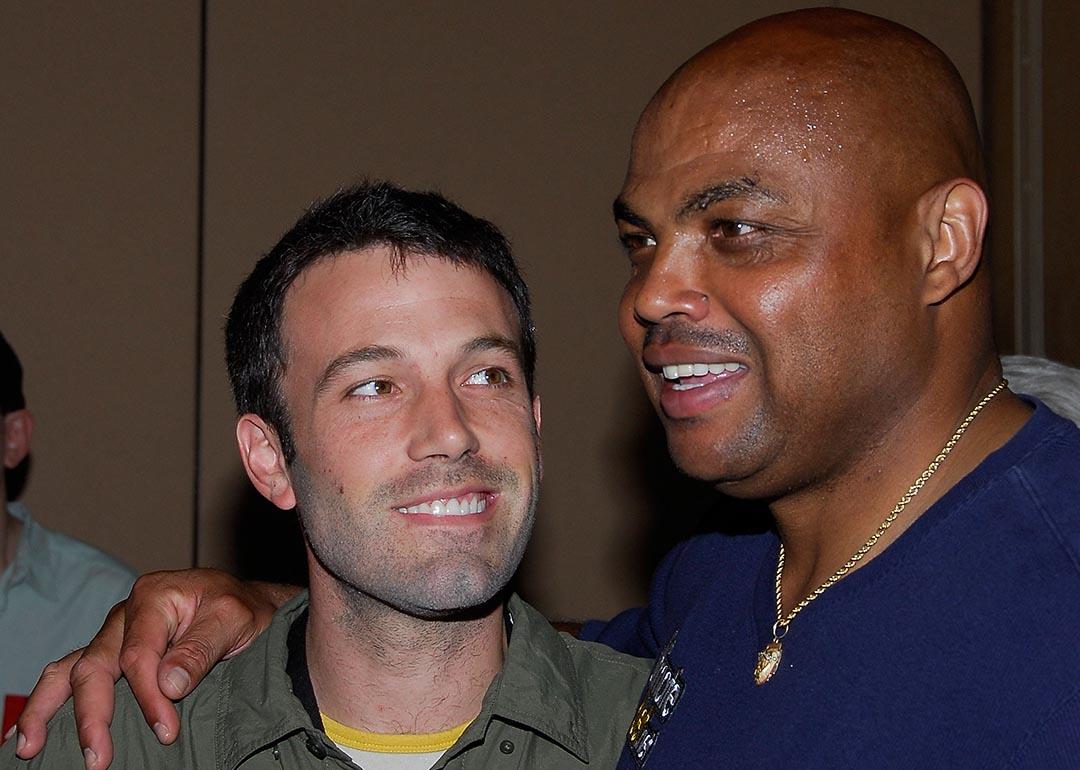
93 678
220 630
146 638
52 690
92 683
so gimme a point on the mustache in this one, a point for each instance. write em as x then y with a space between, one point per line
470 468
680 332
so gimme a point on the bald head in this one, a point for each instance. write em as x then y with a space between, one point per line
859 89
804 200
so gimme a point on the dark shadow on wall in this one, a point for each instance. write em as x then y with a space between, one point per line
15 478
268 543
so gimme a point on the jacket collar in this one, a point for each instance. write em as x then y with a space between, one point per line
537 688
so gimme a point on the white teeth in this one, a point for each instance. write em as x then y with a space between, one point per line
677 371
454 506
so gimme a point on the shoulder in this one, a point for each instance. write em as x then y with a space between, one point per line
80 563
134 744
1046 478
615 672
584 672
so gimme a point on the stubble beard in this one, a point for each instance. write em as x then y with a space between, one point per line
371 575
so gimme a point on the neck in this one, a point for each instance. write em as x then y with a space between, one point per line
376 669
822 526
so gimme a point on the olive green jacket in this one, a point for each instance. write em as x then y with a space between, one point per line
557 703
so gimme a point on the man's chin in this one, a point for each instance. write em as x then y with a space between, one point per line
457 602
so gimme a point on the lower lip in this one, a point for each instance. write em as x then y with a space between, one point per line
712 390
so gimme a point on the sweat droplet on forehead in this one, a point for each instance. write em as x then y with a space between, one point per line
793 121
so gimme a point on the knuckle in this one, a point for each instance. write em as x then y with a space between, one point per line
54 670
232 607
83 670
195 654
131 658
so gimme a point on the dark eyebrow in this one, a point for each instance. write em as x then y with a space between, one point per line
359 356
494 342
623 213
743 187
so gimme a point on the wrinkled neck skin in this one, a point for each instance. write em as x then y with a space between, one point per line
376 669
823 525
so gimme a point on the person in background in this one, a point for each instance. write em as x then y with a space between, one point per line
54 589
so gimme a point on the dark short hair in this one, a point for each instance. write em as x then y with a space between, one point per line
361 217
11 375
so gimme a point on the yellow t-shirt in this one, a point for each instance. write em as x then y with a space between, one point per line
382 751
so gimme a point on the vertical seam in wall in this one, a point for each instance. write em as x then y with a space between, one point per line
200 238
1028 245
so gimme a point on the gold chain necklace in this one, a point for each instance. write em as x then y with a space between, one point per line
768 660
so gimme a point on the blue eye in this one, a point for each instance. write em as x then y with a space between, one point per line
493 375
373 389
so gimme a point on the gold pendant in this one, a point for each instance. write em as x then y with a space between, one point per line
768 660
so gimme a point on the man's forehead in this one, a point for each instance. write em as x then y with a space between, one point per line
751 117
378 292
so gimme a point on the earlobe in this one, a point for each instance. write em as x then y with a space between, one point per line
260 451
956 214
18 427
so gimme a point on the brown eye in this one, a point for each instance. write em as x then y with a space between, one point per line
727 228
491 376
634 241
373 389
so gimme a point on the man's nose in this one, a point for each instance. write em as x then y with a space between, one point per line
671 286
443 428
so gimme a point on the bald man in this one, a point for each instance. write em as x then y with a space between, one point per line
803 215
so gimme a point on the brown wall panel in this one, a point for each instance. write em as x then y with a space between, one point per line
522 113
97 287
1061 170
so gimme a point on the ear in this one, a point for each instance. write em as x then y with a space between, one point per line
260 451
536 419
955 215
536 413
18 427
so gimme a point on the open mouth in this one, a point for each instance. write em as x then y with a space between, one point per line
684 377
465 505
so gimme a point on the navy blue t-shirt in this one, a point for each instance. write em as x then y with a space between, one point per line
957 646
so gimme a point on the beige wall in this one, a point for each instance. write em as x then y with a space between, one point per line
521 113
97 287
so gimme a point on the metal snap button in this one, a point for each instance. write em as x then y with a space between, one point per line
506 747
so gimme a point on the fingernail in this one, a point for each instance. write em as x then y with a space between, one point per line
21 743
10 732
90 757
162 732
179 679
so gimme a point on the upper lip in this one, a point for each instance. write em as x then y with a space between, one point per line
656 357
446 494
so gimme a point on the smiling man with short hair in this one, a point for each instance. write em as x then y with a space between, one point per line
381 357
